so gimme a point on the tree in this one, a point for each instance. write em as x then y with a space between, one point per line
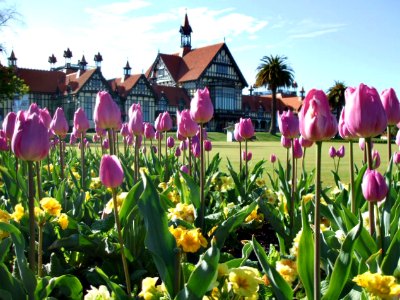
274 72
336 97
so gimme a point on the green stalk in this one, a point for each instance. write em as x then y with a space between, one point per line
202 177
40 250
246 170
159 146
287 164
292 189
39 180
178 272
190 155
389 143
166 159
240 158
111 141
62 175
317 226
121 243
136 158
351 170
83 174
368 147
303 169
31 206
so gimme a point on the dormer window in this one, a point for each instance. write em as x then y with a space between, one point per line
162 103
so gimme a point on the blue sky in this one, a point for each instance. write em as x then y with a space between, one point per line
325 40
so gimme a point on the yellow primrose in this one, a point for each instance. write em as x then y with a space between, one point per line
144 170
227 184
190 240
149 289
260 182
100 293
182 211
379 285
245 281
110 204
288 269
270 195
295 247
163 186
51 206
18 213
254 216
174 196
63 221
95 183
5 218
307 198
228 207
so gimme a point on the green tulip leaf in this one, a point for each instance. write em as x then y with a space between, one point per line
10 285
117 290
392 257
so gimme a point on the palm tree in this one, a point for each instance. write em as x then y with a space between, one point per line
336 97
274 72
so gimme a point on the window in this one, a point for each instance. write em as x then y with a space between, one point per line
225 98
162 103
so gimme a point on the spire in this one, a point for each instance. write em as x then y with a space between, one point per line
83 63
12 60
67 55
127 69
52 61
98 59
185 32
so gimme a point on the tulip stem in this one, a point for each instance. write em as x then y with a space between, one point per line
292 190
190 155
240 158
136 158
31 206
246 166
287 164
111 141
159 147
39 180
201 177
303 169
40 250
121 242
317 226
62 175
166 159
351 188
178 272
83 175
389 143
368 147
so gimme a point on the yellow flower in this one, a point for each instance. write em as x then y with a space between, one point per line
174 196
149 289
76 175
222 270
378 285
307 198
183 212
144 170
227 184
87 196
63 221
212 230
288 269
244 281
51 206
163 185
95 183
260 182
50 167
5 218
110 204
254 216
295 247
270 195
190 240
18 212
92 173
228 207
39 213
101 293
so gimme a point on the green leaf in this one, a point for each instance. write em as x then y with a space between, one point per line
159 240
65 287
27 275
280 288
305 259
358 196
238 185
222 232
342 267
190 191
204 274
73 242
10 285
130 202
4 248
391 259
118 291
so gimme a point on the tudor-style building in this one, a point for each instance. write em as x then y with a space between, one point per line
168 84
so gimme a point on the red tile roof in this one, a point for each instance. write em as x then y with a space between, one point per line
173 94
77 79
42 81
253 102
124 87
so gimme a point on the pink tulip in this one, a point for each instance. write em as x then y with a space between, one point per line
195 147
207 145
106 114
159 135
129 140
87 144
3 141
343 130
396 158
81 122
201 107
204 133
106 144
170 142
144 149
155 149
184 169
288 124
149 132
9 124
178 152
59 124
101 132
391 106
305 143
124 130
316 120
72 139
246 129
272 158
332 152
45 116
398 138
340 152
163 122
135 124
34 109
297 149
374 186
247 156
364 112
286 143
236 133
186 126
183 145
376 159
96 138
361 144
30 140
111 172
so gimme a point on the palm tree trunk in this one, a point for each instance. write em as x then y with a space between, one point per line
272 129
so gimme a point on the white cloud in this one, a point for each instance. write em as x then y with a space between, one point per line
308 28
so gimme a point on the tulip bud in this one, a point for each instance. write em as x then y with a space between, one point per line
144 149
3 141
159 135
101 132
364 112
72 139
195 147
30 140
286 143
288 124
81 122
111 172
340 152
45 117
207 145
343 130
155 149
135 124
184 169
376 159
305 143
106 144
183 145
398 138
236 133
332 152
106 112
129 139
316 120
186 126
177 152
9 124
391 106
124 130
374 186
59 124
163 122
247 156
204 131
201 107
272 158
170 142
246 129
396 158
149 131
297 150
